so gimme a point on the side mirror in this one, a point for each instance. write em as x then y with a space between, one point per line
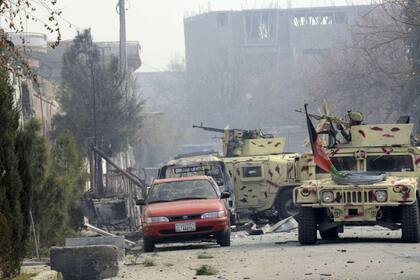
225 195
140 202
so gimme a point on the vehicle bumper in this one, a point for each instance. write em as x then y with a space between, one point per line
353 204
205 229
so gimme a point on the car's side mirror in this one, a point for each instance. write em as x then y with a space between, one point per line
225 195
140 202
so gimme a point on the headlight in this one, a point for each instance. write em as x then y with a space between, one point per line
304 191
212 215
381 196
405 189
327 197
153 220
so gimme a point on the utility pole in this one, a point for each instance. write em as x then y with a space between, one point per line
123 52
123 39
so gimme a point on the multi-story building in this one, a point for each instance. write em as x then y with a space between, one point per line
281 34
247 68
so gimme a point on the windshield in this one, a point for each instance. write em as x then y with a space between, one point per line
348 163
172 191
390 163
213 170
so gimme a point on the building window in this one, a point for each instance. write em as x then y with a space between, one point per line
222 19
259 25
319 19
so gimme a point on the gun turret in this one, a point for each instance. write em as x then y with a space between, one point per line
207 128
238 142
327 118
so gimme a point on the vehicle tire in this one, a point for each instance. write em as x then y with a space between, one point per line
224 239
232 219
284 204
148 245
307 229
331 234
410 223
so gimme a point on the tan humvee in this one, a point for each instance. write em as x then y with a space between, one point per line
392 203
262 175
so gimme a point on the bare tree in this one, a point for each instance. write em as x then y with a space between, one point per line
376 72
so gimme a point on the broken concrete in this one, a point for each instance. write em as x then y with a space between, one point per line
117 241
85 262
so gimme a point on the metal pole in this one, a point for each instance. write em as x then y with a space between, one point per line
34 232
123 39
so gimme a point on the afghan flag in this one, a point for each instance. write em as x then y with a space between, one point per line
320 156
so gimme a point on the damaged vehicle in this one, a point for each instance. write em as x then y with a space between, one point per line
262 174
377 183
198 165
185 209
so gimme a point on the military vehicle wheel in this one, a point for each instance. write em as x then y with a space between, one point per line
148 245
331 234
307 226
410 223
284 204
224 239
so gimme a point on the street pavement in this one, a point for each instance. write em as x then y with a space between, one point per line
360 253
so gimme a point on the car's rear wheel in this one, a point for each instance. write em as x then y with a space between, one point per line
307 226
224 238
331 234
148 245
410 223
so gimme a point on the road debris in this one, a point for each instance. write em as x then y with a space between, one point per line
285 225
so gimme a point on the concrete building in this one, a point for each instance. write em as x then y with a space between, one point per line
251 64
281 34
50 67
38 99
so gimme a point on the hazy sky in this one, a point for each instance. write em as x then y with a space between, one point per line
156 24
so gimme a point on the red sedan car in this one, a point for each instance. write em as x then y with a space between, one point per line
185 209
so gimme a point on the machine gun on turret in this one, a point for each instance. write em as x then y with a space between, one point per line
236 142
327 122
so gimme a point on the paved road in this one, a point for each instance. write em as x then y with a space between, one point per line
361 253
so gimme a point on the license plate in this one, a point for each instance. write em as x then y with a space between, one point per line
184 227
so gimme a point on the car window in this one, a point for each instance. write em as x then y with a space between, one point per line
348 163
252 171
390 163
171 191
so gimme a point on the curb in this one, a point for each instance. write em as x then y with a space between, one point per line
48 275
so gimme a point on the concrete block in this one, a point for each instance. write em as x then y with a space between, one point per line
85 262
48 275
117 241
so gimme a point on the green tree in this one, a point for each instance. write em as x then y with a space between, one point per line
95 98
99 106
11 219
31 154
56 200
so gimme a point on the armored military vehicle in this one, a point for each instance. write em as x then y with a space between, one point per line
380 184
262 175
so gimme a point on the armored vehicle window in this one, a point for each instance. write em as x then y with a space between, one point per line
252 171
341 163
212 170
390 163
